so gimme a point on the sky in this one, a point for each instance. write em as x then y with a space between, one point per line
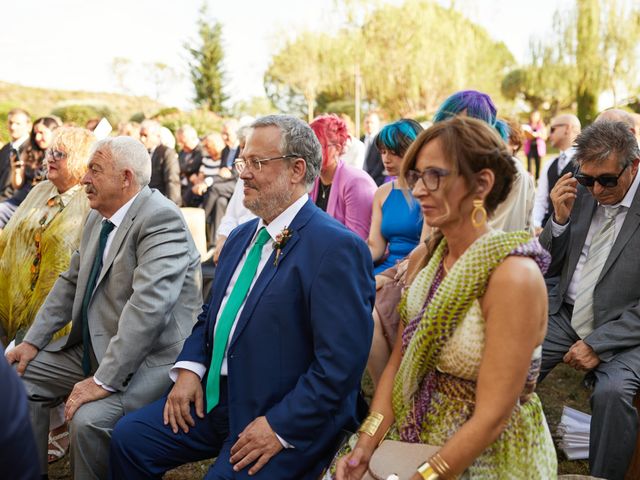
71 44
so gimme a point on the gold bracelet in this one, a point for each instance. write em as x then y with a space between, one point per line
427 472
440 466
371 424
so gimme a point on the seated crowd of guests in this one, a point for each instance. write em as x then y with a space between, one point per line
425 256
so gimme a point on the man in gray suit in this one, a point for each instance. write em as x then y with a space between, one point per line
132 291
594 310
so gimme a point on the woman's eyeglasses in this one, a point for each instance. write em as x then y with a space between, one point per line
606 181
57 155
430 177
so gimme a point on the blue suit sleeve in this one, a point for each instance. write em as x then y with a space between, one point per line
341 302
195 346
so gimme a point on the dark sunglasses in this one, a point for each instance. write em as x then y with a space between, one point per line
606 181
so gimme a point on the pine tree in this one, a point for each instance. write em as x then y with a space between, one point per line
206 69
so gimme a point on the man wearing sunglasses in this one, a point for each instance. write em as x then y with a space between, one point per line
594 310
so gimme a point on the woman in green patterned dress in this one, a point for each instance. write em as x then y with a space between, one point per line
463 369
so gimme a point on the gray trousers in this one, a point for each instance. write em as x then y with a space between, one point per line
48 379
614 421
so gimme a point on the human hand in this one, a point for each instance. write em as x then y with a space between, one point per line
23 354
225 172
563 196
257 443
354 465
177 409
83 392
537 231
581 356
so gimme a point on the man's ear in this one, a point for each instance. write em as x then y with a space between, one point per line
128 178
299 169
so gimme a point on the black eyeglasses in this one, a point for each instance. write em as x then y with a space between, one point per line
255 164
430 177
606 181
57 155
555 127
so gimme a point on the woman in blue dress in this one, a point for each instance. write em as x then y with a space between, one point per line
396 229
396 222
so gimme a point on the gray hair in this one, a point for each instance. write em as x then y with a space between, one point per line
243 133
151 126
604 138
298 139
129 153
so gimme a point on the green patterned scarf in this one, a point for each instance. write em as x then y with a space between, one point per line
466 282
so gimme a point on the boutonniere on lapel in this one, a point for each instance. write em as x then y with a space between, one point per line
281 240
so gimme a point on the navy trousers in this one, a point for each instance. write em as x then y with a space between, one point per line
142 447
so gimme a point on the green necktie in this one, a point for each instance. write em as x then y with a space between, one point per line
107 226
228 317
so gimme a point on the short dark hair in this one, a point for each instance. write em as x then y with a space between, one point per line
604 138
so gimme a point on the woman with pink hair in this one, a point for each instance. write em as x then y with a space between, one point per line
344 192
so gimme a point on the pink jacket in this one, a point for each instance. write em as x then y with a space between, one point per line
350 199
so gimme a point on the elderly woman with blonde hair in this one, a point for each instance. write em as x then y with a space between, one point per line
37 243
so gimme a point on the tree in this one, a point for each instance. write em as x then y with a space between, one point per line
205 67
594 49
410 57
303 68
120 68
588 60
549 80
161 76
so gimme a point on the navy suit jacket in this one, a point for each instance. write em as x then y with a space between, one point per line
18 452
302 340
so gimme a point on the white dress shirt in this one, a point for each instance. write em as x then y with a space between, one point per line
116 219
596 223
541 204
274 228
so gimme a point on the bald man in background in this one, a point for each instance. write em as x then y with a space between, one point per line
562 133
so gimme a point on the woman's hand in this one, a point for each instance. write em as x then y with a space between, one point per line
354 465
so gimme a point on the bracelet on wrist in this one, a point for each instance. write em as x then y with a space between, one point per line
371 424
427 472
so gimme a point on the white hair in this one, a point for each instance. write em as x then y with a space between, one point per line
127 153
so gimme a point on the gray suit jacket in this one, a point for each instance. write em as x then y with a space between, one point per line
616 298
146 300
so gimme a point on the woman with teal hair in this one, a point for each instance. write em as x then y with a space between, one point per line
396 222
396 229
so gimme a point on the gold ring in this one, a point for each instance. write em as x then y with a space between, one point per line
71 400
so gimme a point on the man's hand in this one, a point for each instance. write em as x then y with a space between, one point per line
187 389
257 443
23 354
563 196
581 356
83 392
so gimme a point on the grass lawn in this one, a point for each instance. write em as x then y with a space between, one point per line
562 387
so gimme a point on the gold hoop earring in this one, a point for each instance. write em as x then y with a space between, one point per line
478 209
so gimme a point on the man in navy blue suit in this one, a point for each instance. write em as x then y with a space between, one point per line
271 372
